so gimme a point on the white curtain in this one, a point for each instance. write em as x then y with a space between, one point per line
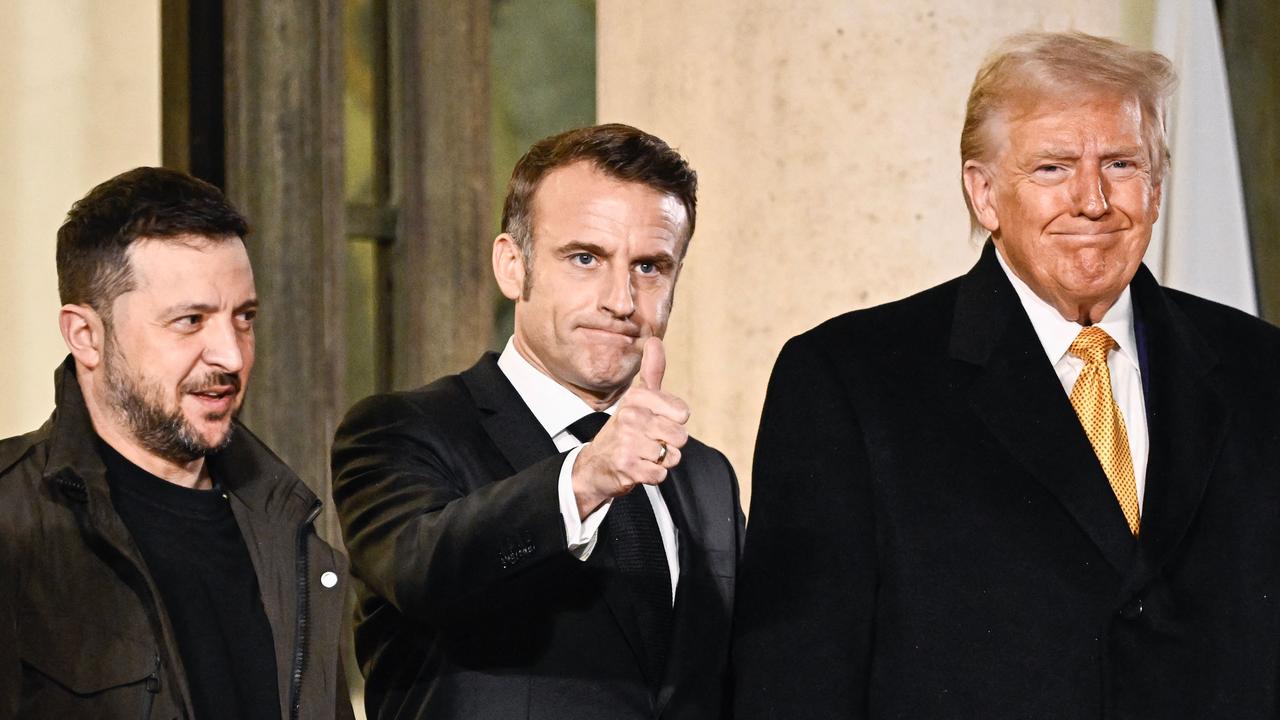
1201 242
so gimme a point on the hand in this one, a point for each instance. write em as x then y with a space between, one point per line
627 452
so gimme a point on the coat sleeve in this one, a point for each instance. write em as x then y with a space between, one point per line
10 640
806 597
422 538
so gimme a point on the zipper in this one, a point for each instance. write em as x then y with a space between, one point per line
300 630
153 689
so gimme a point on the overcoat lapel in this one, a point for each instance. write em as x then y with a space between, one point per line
1187 420
1018 397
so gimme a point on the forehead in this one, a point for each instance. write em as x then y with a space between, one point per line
1069 120
581 194
192 267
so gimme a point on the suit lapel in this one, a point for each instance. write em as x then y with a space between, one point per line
1186 420
508 421
1018 397
517 434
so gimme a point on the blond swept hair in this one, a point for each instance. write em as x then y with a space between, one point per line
1041 64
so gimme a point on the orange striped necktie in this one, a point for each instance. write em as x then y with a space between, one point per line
1096 407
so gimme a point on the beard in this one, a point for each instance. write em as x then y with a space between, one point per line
163 432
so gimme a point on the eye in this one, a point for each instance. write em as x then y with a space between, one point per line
1123 168
583 259
247 317
1049 169
647 268
188 322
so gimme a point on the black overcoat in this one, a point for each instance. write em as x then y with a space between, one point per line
932 536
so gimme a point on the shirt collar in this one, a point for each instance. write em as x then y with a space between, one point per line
1057 333
554 405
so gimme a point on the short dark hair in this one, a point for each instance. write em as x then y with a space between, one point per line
143 203
620 152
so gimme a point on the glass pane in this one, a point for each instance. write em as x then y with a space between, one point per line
542 57
364 35
364 349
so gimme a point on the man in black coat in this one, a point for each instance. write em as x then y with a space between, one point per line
1045 489
538 537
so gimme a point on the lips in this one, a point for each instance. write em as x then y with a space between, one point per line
625 330
215 393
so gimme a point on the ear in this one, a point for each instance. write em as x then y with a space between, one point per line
978 186
84 333
508 266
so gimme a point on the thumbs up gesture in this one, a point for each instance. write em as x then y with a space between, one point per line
639 444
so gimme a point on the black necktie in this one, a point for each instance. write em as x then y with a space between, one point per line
631 530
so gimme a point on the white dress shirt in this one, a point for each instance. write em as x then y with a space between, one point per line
1056 335
555 408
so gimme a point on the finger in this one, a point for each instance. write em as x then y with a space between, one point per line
672 458
653 364
662 429
640 468
657 403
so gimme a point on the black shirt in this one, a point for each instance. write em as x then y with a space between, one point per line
197 556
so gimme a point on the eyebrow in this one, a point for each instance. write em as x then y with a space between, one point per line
206 308
577 246
1058 153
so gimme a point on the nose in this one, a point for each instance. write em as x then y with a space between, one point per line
617 297
1090 193
224 346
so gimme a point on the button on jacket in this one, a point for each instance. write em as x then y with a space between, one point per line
83 633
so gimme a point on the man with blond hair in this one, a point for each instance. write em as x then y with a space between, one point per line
1045 489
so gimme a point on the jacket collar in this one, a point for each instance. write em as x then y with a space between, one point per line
1018 396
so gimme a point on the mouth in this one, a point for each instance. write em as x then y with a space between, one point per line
617 334
216 399
1089 235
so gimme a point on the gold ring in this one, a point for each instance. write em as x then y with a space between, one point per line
662 452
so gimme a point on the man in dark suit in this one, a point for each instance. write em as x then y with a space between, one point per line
538 536
1045 489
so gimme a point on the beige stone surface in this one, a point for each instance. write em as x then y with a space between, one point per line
825 134
81 90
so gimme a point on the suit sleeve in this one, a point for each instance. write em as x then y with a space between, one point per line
415 535
806 597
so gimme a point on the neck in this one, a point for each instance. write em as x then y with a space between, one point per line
1084 314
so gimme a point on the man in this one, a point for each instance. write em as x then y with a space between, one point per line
1045 489
514 563
158 560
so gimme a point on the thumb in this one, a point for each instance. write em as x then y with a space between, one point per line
653 364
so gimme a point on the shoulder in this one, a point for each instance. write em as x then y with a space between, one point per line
918 322
22 461
436 406
1222 324
13 450
706 458
1241 342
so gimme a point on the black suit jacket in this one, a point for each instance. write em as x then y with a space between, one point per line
933 537
472 606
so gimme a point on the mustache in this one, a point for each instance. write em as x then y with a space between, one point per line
213 380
